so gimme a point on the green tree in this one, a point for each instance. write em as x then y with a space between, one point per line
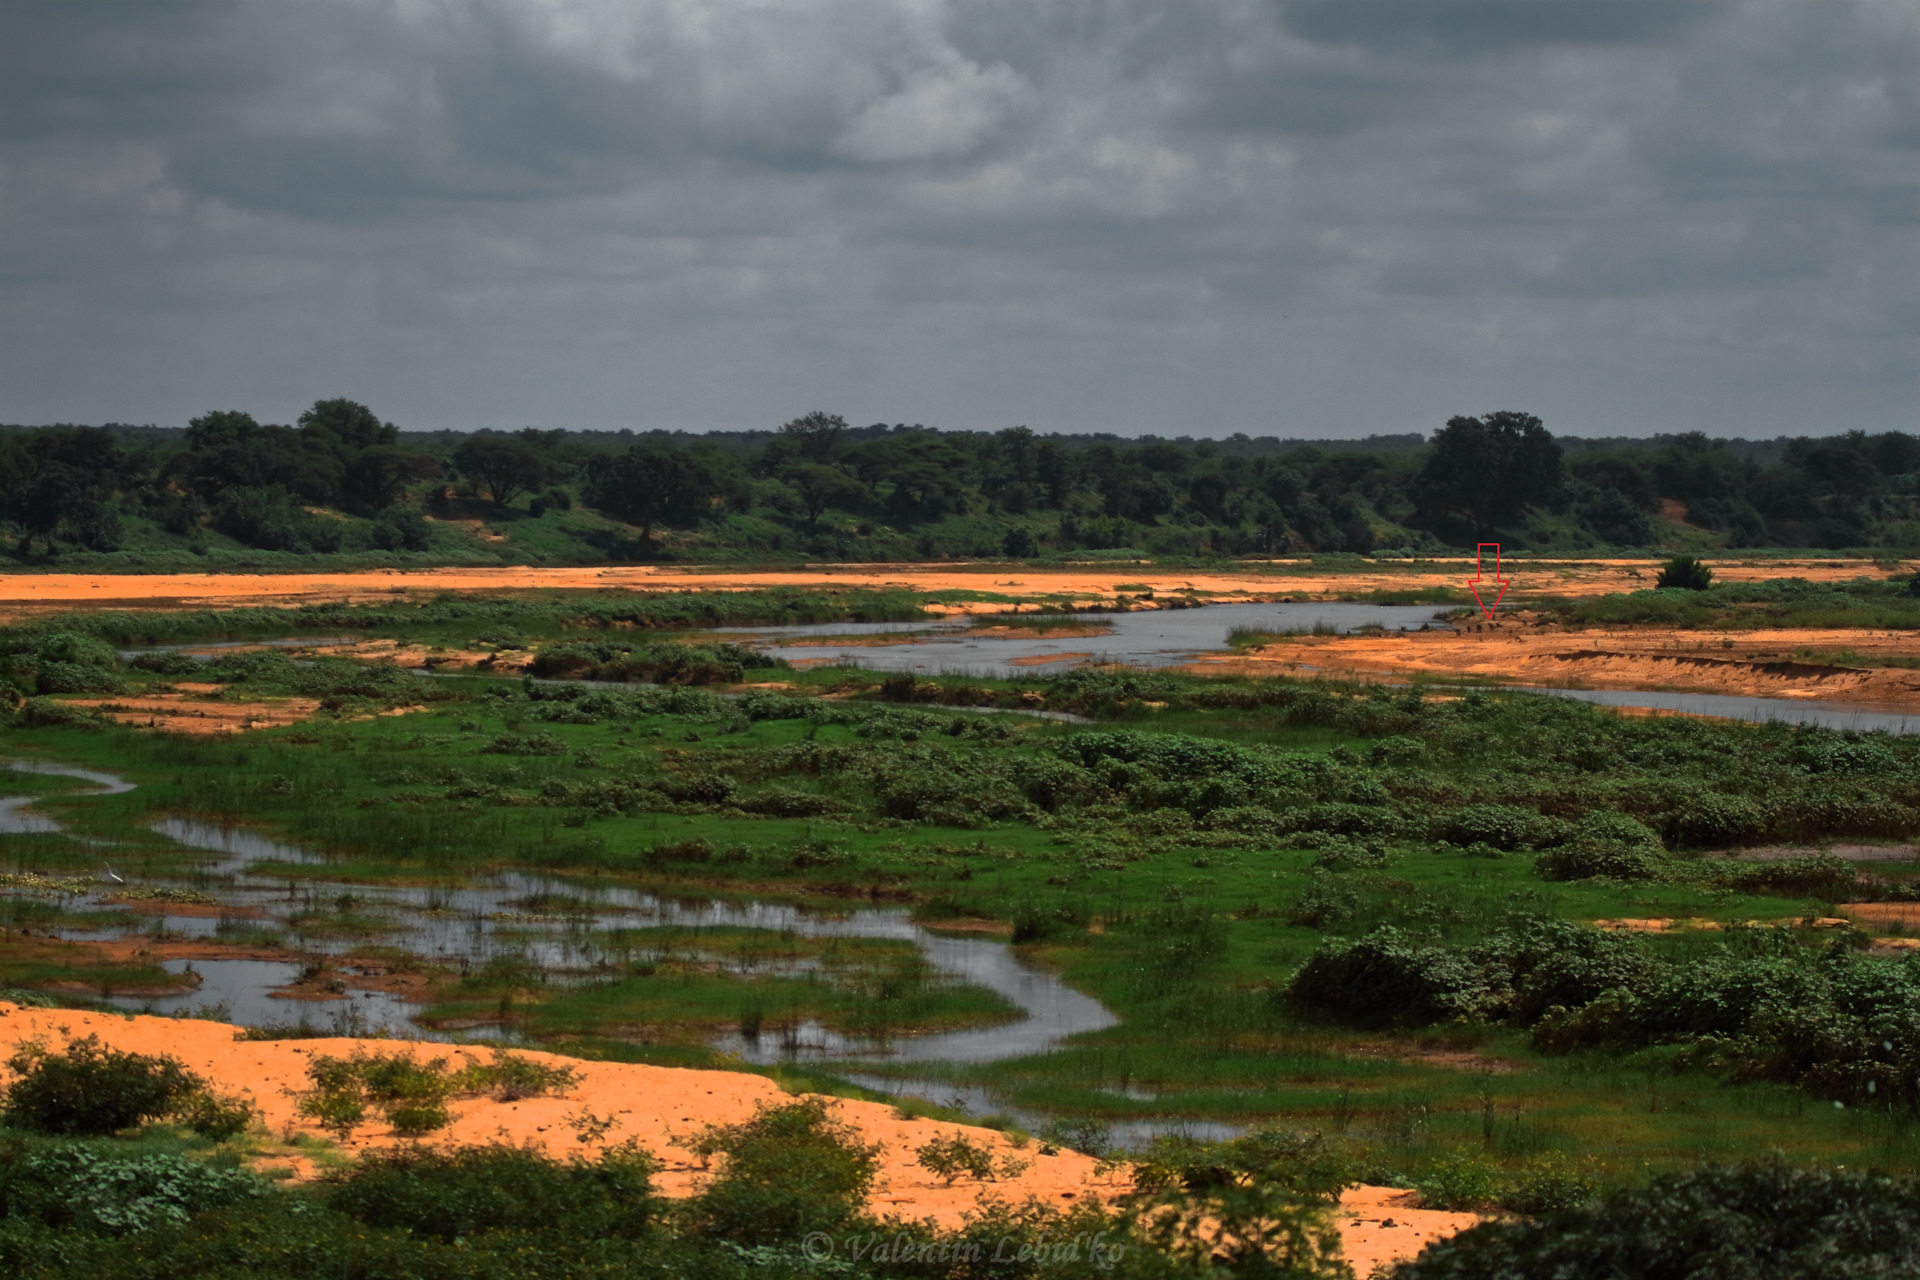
500 466
815 436
818 487
381 475
1487 471
347 426
651 485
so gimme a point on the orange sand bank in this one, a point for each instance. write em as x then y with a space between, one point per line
28 593
655 1104
1748 663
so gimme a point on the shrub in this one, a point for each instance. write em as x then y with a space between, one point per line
1685 573
91 1090
1769 1220
788 1171
1550 1184
92 1191
1304 1162
1713 820
170 663
1813 876
538 744
213 1115
1459 1181
511 1077
1506 827
409 1094
469 1191
1386 978
1343 853
948 1158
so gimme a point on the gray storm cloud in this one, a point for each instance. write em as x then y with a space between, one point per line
1323 218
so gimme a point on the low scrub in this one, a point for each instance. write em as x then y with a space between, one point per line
1769 1220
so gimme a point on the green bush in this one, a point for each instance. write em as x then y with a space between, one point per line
1550 1184
1711 1224
213 1115
409 1094
90 1090
950 1157
1506 827
788 1171
94 1191
469 1191
510 1077
1460 1181
1685 573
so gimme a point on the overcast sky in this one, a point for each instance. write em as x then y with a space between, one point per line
1307 219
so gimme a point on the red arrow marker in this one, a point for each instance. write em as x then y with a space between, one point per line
1473 582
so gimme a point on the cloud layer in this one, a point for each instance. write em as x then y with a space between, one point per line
1328 217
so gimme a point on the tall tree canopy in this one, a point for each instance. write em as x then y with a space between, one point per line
1489 470
653 485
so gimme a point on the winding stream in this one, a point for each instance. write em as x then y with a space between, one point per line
471 925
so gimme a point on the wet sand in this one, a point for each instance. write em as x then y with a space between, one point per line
23 594
655 1104
1745 663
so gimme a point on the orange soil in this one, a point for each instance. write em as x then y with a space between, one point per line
29 593
1750 663
1884 913
1048 659
194 714
656 1104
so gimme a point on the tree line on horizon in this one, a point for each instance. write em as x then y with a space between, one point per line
342 479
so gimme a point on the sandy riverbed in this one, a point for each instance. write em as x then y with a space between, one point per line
655 1104
1746 663
23 594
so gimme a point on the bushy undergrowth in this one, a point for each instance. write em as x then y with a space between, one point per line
411 1093
88 1090
1716 1223
663 662
471 1191
1839 1023
496 618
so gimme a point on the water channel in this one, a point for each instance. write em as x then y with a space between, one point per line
511 914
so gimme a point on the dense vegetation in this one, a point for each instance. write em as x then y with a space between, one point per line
342 483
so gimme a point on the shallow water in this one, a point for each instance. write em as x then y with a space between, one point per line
1827 715
240 991
17 818
1138 638
473 924
1127 1135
